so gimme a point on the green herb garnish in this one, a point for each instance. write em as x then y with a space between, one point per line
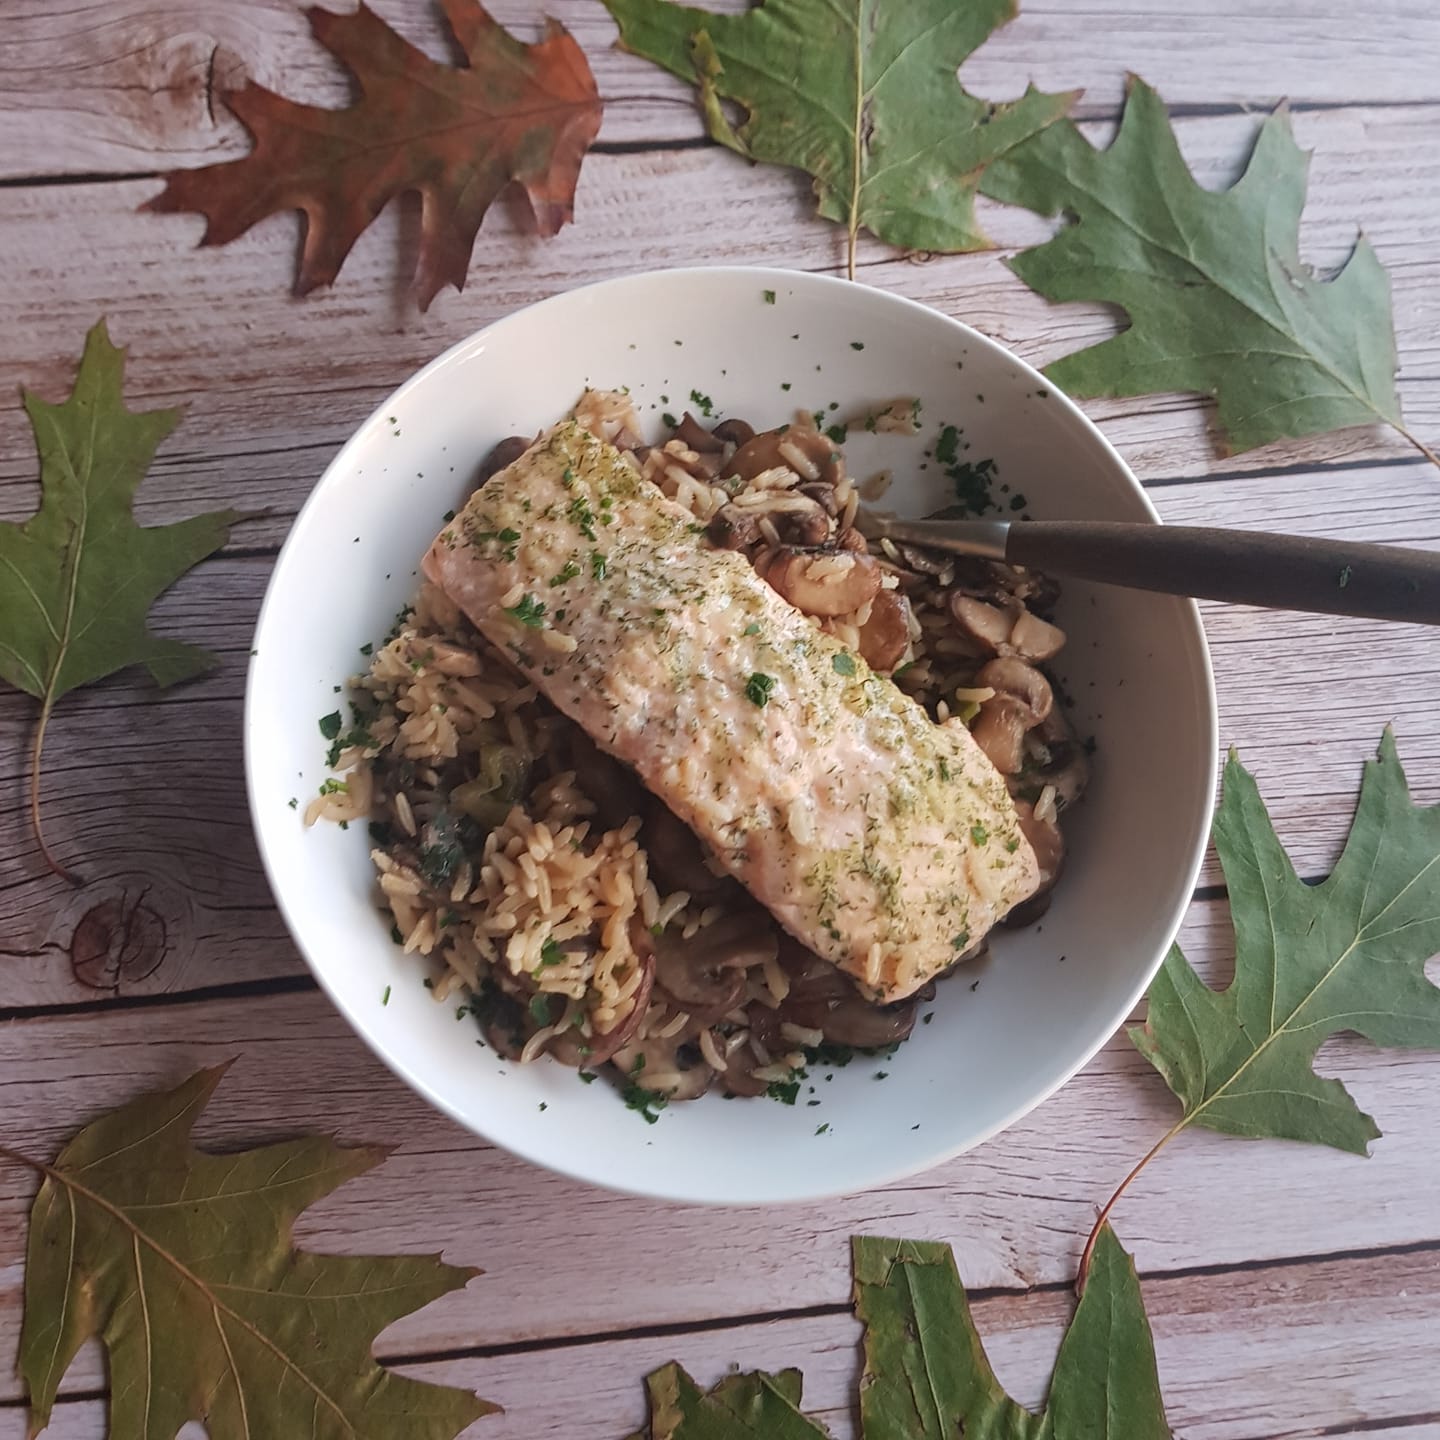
330 724
758 688
843 664
530 612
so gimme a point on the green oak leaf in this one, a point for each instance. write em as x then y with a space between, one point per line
1217 296
183 1263
77 579
926 1375
1310 961
862 95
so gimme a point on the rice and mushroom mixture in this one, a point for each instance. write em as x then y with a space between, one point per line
562 904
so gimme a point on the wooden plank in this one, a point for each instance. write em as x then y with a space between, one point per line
1329 1348
264 418
1017 1207
98 87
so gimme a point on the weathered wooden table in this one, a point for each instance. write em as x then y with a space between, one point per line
1294 1291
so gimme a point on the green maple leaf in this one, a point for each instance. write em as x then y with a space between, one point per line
1217 296
1310 961
77 579
860 94
182 1262
926 1375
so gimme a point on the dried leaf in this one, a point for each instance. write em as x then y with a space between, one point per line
926 1374
1216 294
1310 961
861 95
77 580
459 135
183 1263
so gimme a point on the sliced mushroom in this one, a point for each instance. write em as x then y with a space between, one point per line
825 583
505 453
658 1066
808 528
926 562
739 1077
614 790
762 452
1032 638
572 1048
677 859
822 494
1049 847
986 625
734 432
697 437
696 978
852 540
732 528
823 998
501 1019
885 636
1021 701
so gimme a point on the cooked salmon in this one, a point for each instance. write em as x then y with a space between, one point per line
883 842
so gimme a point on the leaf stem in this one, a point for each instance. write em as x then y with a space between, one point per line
1082 1274
46 706
850 260
1415 440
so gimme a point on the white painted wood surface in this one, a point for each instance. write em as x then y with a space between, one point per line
1294 1292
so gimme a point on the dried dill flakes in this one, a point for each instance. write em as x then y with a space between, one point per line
758 689
843 664
530 612
330 724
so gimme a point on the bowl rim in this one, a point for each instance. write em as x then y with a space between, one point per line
342 460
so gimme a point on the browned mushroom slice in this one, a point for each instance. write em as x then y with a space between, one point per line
885 636
705 975
740 1078
677 859
570 1047
697 437
1049 847
807 528
809 453
506 452
822 998
987 626
1032 638
925 562
734 432
825 583
822 494
1022 700
852 539
734 528
612 788
658 1066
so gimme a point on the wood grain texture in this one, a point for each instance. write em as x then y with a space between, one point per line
98 87
1295 1291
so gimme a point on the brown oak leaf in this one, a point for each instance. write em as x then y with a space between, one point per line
459 135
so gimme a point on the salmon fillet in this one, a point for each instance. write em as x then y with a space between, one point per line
883 842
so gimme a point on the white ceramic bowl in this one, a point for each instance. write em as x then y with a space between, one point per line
1137 666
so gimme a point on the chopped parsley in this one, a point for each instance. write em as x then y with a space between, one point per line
785 1091
332 786
385 998
396 936
330 724
584 517
544 1106
670 421
646 1103
294 803
837 434
706 404
881 1075
367 648
753 628
448 516
758 688
530 612
551 954
564 575
540 1009
821 1129
979 834
843 664
769 296
441 850
598 565
857 344
587 1077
